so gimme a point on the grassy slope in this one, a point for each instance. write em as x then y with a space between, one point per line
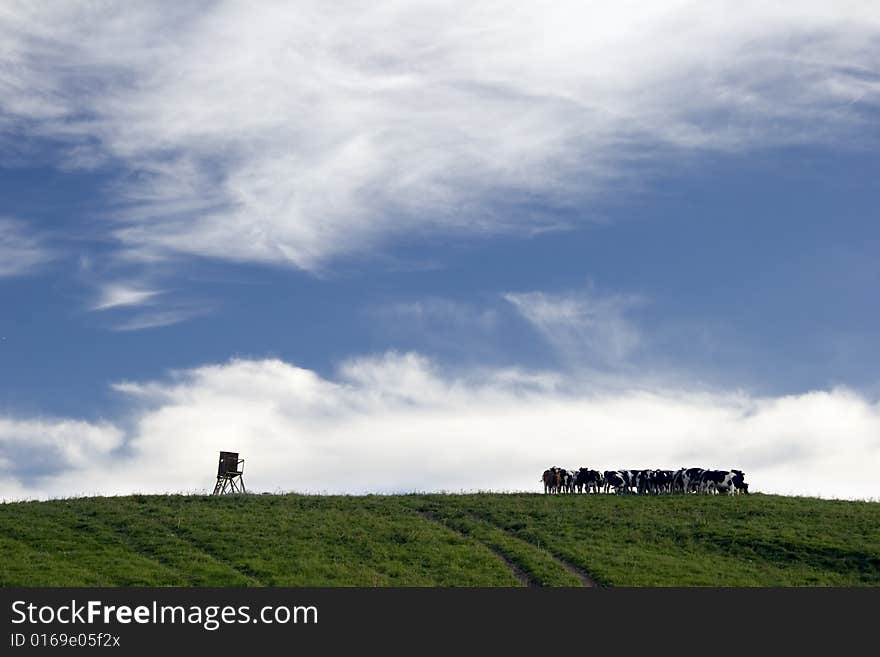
449 540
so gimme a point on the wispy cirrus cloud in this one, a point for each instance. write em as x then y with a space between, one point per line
161 317
305 131
431 312
115 295
584 327
436 323
137 305
21 250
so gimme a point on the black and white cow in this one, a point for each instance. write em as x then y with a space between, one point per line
693 480
617 480
723 481
661 482
709 481
589 481
629 476
739 481
679 481
580 480
642 481
568 481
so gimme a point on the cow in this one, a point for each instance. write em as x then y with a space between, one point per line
554 479
615 479
549 479
642 481
686 480
588 480
738 480
733 483
709 479
568 480
678 481
693 480
580 480
723 481
661 481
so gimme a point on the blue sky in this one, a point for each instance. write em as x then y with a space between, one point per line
429 216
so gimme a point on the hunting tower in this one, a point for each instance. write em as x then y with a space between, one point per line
229 474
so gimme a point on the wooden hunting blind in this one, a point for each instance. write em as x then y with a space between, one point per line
230 470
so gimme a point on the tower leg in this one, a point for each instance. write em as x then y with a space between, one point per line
226 485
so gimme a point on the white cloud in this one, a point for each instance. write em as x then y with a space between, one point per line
114 295
159 318
399 423
437 325
31 449
127 300
586 329
438 314
308 130
20 250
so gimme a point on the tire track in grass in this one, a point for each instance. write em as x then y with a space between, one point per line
517 572
137 544
82 539
187 537
101 527
585 578
534 565
149 537
18 555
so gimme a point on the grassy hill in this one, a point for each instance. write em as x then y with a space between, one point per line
446 540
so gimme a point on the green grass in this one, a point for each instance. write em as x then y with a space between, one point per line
440 540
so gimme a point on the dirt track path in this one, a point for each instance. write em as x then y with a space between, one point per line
525 578
577 571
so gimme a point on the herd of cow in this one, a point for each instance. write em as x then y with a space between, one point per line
645 482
